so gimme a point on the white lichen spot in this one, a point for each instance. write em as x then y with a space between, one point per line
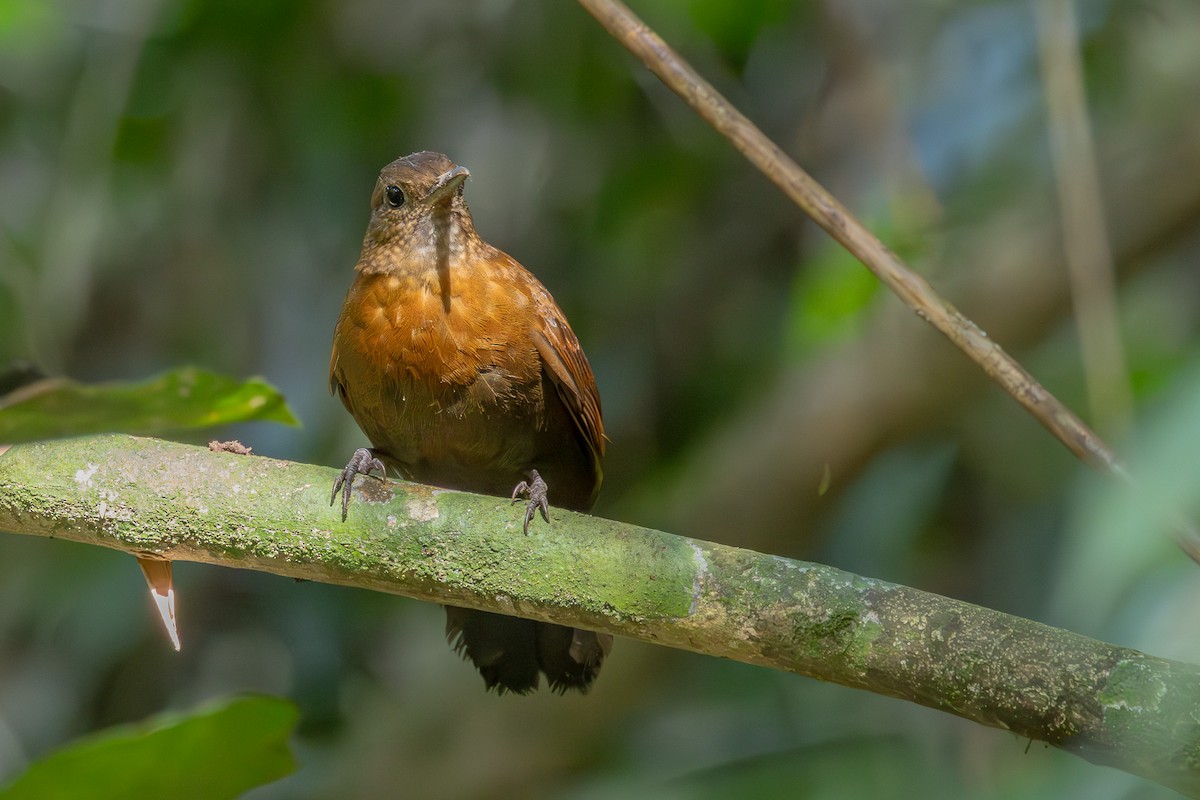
113 512
1122 703
871 617
792 566
83 477
422 509
701 573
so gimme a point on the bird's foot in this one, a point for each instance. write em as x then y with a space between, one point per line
535 489
363 462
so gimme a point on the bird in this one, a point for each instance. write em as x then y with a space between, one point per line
463 373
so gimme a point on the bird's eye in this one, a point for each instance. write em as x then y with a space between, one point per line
395 196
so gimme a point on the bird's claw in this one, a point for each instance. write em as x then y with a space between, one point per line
363 462
536 490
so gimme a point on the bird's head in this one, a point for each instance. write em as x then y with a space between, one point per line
419 219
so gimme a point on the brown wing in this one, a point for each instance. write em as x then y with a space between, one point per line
334 383
335 380
338 383
348 324
570 372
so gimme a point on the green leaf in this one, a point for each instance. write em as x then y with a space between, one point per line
26 24
217 752
183 398
734 27
829 300
1119 544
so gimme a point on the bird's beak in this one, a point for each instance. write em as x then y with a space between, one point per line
446 185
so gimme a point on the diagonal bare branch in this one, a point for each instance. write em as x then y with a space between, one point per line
845 228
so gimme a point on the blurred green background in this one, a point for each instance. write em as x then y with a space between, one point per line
187 182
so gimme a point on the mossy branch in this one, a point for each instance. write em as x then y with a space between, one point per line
1109 704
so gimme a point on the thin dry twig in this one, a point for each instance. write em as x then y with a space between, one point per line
1088 256
839 223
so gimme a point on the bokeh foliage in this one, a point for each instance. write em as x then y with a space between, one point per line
186 182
